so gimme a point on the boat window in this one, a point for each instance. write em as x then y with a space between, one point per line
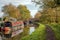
8 24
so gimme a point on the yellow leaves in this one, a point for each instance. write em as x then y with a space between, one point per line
25 13
20 12
38 15
11 10
51 14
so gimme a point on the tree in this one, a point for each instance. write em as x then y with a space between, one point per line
47 3
25 13
51 8
11 10
45 17
57 2
49 15
38 14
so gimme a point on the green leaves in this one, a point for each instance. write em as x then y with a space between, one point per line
11 10
25 13
20 12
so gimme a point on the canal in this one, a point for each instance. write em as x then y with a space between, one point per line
31 29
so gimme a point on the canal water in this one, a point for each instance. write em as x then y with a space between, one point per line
31 30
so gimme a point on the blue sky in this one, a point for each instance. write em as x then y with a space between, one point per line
31 6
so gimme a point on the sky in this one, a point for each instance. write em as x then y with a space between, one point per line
30 5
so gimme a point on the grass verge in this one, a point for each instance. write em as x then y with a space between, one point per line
38 34
56 28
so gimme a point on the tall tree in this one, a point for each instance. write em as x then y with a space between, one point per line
51 8
37 16
11 10
25 13
47 3
49 15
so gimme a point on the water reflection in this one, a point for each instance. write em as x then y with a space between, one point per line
27 31
32 29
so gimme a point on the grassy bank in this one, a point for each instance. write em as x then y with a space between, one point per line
39 34
56 28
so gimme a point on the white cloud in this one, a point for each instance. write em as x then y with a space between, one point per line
15 1
1 14
33 12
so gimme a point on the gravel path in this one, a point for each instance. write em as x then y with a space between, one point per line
50 33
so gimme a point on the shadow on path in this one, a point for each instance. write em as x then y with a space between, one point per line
50 33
